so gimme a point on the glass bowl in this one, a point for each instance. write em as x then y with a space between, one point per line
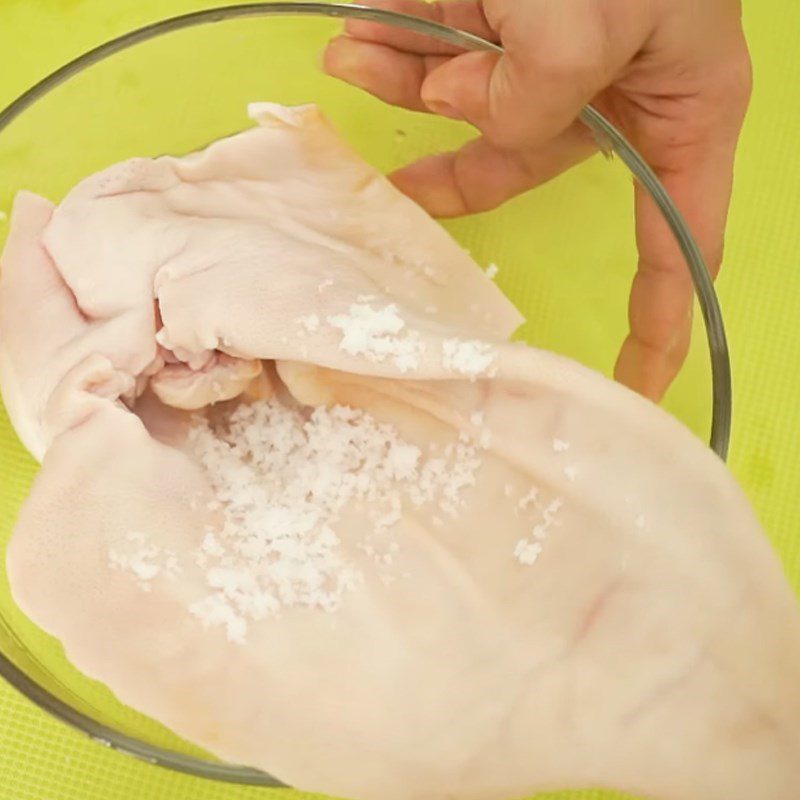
566 247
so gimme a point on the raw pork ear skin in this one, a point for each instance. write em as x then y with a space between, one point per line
603 611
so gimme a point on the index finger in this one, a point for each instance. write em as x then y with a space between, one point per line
464 15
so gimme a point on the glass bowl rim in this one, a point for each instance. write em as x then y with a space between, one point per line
610 140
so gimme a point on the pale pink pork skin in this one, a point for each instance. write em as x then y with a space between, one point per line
653 646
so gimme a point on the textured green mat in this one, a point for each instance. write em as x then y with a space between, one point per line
565 255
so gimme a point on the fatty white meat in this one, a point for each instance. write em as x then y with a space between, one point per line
654 644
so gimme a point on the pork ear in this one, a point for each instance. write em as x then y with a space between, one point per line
355 203
44 334
72 563
38 316
617 618
665 621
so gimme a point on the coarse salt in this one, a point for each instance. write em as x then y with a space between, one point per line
552 509
527 552
143 559
491 271
467 357
378 334
282 478
529 499
309 322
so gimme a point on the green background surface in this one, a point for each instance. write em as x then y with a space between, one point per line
568 271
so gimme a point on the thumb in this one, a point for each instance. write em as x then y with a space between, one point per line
536 89
482 89
461 87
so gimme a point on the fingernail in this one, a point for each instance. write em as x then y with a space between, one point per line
444 109
341 59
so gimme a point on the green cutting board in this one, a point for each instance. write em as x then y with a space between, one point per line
40 759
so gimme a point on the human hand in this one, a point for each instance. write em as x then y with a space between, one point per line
674 75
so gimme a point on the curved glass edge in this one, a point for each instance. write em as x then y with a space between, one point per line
108 737
608 136
722 383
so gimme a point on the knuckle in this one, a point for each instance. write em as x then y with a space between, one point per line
567 67
506 132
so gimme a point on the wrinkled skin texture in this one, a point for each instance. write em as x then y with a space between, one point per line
660 658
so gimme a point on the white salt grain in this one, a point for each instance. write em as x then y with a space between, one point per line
211 546
309 322
378 334
145 561
571 473
214 610
552 509
282 478
491 271
467 357
560 446
327 283
531 498
144 570
527 552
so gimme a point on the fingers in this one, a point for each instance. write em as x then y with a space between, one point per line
462 88
691 143
660 310
464 15
558 57
481 175
393 76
